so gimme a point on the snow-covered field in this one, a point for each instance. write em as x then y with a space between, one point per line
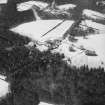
3 1
4 86
94 42
66 6
27 5
36 29
93 14
43 103
95 25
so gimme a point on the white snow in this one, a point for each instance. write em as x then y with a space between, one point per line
27 5
43 103
93 14
66 6
95 42
36 29
3 1
2 77
78 58
4 87
95 25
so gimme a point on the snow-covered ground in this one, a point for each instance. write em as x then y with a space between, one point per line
66 6
4 87
93 14
27 5
95 25
43 103
94 42
3 1
36 29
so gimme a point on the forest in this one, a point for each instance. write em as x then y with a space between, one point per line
79 86
36 76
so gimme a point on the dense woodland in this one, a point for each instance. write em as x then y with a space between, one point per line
28 70
79 86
